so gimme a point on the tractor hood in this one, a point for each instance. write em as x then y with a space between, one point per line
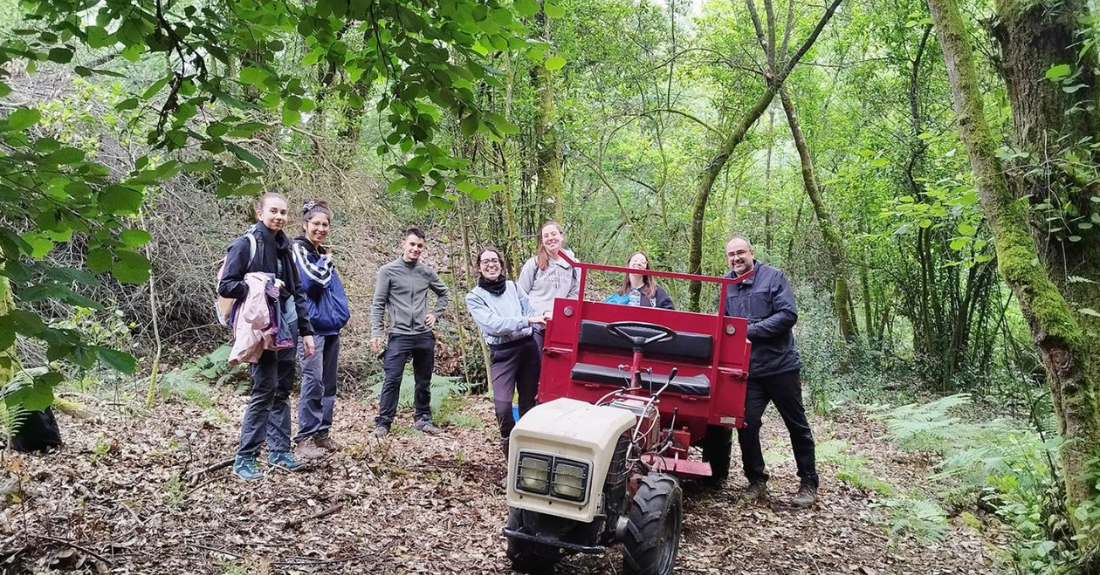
576 423
574 430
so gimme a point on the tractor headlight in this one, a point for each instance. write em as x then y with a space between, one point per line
570 480
533 473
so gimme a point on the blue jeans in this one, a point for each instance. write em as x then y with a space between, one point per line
268 412
421 348
318 386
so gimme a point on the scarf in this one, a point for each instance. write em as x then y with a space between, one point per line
495 287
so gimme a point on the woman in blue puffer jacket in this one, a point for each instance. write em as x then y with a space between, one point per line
327 304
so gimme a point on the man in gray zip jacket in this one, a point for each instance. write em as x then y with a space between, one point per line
403 286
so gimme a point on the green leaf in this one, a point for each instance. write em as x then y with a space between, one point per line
60 55
99 260
554 63
959 243
116 360
925 223
25 322
245 155
252 75
199 166
1058 72
121 200
135 238
966 229
133 52
98 37
553 10
131 267
155 88
1089 311
66 156
526 7
40 246
290 116
469 124
22 119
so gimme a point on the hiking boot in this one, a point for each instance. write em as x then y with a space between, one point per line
379 432
285 460
327 443
426 426
806 497
244 466
756 492
309 448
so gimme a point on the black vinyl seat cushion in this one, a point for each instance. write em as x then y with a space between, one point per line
697 385
691 346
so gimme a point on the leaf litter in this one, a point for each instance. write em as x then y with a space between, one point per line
152 493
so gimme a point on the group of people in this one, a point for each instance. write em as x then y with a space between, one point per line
511 316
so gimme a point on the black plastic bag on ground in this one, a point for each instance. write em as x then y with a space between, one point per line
39 432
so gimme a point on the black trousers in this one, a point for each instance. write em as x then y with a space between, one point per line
421 348
785 391
515 367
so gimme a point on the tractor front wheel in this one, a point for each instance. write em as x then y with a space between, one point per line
527 556
653 532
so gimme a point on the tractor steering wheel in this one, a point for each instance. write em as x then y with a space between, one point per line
618 329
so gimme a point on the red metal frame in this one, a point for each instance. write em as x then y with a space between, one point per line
727 369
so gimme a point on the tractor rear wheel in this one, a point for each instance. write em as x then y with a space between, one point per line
653 532
527 556
717 444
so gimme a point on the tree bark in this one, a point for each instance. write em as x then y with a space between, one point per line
549 188
773 81
1065 337
8 359
834 245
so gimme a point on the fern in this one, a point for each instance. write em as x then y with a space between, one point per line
442 387
923 519
12 418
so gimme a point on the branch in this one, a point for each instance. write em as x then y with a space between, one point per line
828 15
686 115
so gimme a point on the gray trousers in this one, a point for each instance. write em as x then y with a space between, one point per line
318 386
514 367
268 412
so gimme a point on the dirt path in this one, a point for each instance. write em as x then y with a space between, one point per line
411 504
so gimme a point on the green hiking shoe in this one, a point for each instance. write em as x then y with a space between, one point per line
245 467
285 460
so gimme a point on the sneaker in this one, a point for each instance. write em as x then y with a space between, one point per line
379 432
310 448
245 467
326 442
285 460
806 497
426 426
757 491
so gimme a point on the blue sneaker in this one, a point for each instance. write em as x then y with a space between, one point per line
285 460
244 466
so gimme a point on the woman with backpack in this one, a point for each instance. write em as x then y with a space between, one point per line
327 304
506 319
640 289
548 276
264 262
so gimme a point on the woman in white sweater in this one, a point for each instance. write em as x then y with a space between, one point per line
548 276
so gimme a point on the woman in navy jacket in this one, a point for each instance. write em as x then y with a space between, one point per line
327 304
268 412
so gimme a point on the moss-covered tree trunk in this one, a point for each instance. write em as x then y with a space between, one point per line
1066 337
550 188
7 355
834 245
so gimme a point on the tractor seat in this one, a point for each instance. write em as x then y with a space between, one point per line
697 385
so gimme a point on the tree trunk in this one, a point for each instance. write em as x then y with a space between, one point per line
8 359
1068 350
834 245
774 81
550 188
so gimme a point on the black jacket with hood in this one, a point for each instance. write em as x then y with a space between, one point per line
271 249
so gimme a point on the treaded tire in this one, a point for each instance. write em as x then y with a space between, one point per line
717 445
528 557
653 533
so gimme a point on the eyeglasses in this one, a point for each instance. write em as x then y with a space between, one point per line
738 253
492 261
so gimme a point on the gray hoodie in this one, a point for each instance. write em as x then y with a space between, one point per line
403 286
559 279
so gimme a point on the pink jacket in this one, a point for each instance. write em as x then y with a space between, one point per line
253 330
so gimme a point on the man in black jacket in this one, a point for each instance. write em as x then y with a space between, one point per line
766 301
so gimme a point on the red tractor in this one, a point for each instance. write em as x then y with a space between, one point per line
625 393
